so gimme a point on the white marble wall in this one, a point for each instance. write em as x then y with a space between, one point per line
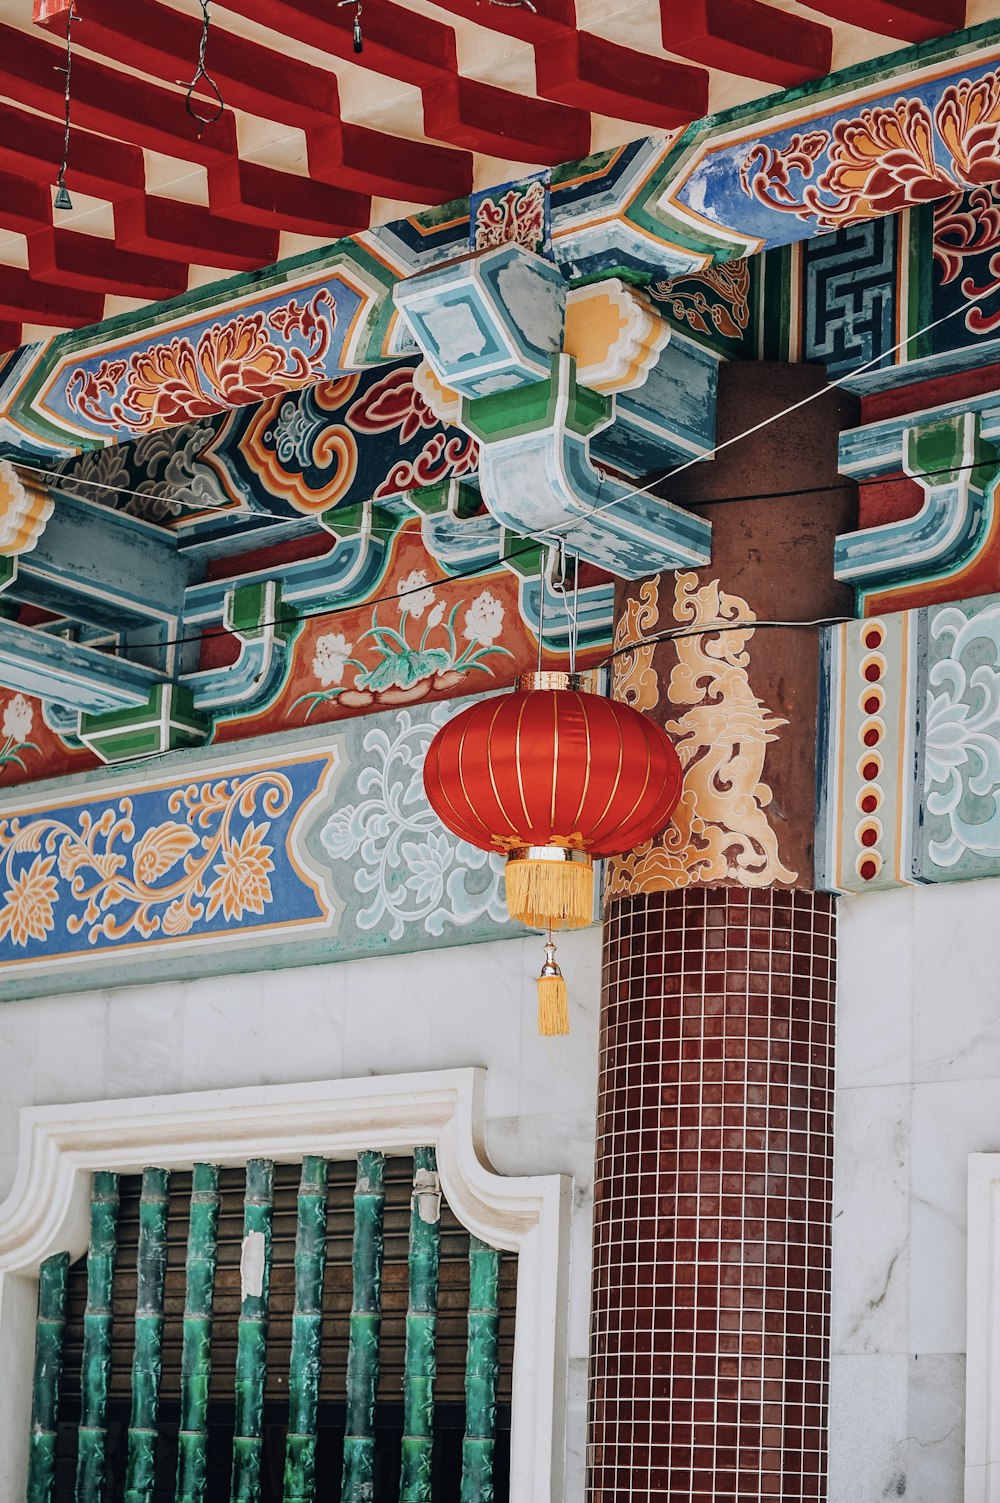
466 1006
918 1091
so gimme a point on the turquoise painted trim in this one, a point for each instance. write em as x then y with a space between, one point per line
81 678
947 531
542 480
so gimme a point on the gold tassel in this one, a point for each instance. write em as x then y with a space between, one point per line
553 1001
550 894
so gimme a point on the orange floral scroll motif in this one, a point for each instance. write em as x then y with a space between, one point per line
720 831
242 360
884 159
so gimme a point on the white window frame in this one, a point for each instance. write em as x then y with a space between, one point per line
60 1147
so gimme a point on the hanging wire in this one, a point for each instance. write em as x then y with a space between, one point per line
68 479
201 75
359 41
63 200
541 608
572 610
566 529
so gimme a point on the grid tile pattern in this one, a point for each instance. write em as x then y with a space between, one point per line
713 1198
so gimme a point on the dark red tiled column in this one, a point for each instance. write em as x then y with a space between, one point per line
714 1146
713 1176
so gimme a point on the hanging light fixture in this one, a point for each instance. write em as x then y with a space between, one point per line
552 777
62 198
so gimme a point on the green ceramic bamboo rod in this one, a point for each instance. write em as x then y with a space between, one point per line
366 1321
196 1352
97 1320
49 1329
420 1368
307 1332
481 1365
251 1341
151 1269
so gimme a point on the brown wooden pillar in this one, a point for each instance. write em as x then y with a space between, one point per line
714 1151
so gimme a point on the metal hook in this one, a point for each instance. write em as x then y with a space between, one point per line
202 75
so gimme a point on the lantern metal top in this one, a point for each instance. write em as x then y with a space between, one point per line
549 678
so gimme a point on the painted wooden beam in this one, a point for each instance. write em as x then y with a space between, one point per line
366 1324
420 1365
98 1318
307 1332
49 1330
196 1352
147 1360
81 678
251 1341
481 1370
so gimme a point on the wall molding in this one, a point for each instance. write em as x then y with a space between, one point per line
61 1146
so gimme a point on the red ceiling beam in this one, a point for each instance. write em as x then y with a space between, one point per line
748 38
906 20
31 146
259 195
486 119
367 161
92 264
24 207
23 299
593 74
399 42
163 42
191 233
549 21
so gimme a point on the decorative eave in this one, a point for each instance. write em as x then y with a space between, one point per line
728 186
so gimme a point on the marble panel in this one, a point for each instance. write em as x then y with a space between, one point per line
874 988
936 1428
868 1428
71 1055
871 1221
950 1122
145 1039
956 961
19 1044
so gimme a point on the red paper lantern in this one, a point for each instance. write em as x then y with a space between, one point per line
551 777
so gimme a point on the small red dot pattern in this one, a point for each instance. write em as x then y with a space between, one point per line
713 1195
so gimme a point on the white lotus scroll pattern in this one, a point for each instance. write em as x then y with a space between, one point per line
408 869
962 736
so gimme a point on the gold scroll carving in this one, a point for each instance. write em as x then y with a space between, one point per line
720 831
633 679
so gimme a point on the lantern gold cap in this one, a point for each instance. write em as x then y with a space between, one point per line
549 678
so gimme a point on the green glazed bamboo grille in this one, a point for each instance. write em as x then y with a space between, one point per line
387 1324
97 1323
251 1349
49 1330
307 1334
140 1475
196 1353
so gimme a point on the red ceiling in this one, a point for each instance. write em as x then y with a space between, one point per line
126 102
